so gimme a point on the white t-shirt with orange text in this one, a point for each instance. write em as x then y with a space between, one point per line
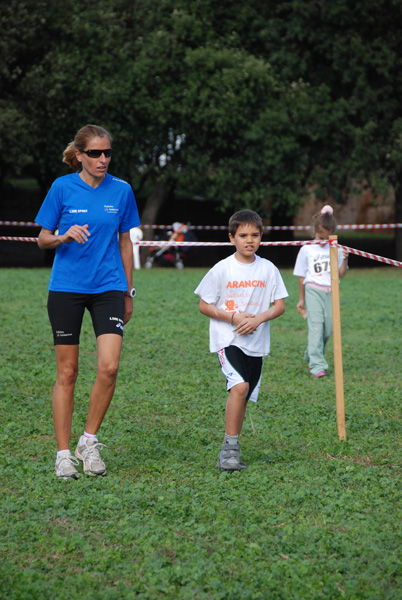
237 287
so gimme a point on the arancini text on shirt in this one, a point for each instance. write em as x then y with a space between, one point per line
251 283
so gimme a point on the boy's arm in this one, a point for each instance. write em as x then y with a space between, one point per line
251 322
302 293
213 312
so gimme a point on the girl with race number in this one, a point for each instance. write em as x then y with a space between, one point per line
313 270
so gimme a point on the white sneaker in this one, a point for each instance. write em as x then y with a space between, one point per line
64 467
89 454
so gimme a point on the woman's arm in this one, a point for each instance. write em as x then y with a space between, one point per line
126 253
47 240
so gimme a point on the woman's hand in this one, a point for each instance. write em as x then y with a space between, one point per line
77 233
128 309
47 239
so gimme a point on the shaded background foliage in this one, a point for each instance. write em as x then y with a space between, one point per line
251 104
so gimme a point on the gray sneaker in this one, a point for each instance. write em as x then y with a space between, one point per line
65 468
229 458
89 454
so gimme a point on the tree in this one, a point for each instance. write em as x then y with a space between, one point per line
189 106
20 47
217 115
248 104
352 53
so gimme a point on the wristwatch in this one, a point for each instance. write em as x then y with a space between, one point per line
131 293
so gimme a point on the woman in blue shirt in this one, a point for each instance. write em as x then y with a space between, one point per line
86 217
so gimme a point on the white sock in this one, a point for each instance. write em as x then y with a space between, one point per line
87 436
231 439
62 453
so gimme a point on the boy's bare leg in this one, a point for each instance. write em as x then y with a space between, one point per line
236 408
229 456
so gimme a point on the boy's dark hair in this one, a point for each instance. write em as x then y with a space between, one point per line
245 217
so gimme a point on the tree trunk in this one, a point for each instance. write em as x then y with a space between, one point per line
150 212
281 256
152 207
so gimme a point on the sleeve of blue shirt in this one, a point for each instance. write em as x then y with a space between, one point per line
130 216
49 213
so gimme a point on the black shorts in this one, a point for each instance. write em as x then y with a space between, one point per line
238 367
66 311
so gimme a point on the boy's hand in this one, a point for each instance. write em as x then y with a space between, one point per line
246 323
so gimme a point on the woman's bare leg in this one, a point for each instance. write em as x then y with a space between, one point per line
109 350
63 393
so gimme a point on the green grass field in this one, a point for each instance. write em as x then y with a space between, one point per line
311 518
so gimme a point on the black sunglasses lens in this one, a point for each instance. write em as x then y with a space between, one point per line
98 153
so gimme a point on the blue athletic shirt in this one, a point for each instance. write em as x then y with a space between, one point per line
95 266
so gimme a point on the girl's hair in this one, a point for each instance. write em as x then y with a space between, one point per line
325 219
82 137
244 217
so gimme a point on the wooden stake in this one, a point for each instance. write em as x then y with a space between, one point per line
336 329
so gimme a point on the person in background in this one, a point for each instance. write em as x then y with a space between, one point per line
241 295
313 270
86 217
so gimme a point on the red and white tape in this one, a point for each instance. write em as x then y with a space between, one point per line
367 226
9 238
156 243
382 259
161 244
172 244
19 224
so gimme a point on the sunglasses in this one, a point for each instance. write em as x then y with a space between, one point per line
98 153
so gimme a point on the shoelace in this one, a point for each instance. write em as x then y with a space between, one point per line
92 452
70 459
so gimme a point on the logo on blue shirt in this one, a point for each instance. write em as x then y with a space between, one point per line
110 208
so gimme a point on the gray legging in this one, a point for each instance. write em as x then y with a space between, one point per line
319 320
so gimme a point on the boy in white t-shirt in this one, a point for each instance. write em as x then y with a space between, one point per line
240 295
